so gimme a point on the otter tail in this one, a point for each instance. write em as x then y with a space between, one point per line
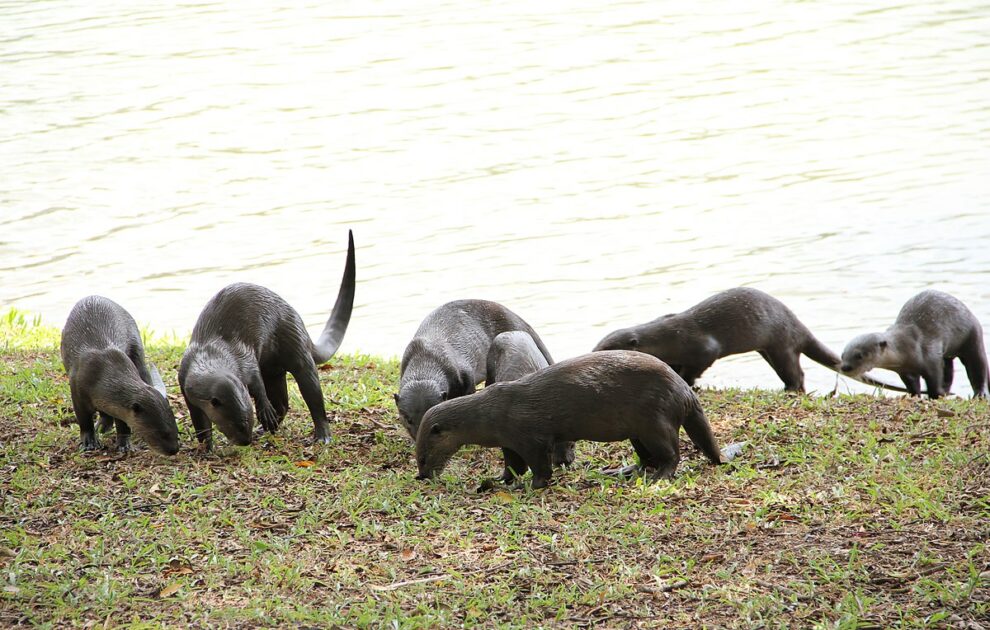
156 380
816 351
333 333
697 427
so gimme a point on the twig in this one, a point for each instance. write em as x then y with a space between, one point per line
397 585
663 588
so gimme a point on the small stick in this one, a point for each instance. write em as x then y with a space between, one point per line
397 585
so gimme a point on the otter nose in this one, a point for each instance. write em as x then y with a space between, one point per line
846 367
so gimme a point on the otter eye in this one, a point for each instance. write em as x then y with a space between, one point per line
436 429
858 356
215 402
633 342
137 408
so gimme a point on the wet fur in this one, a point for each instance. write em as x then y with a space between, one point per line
103 355
731 322
245 341
931 329
512 356
447 356
603 396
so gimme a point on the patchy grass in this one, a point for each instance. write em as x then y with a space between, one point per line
848 512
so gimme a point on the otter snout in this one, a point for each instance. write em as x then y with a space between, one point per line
846 368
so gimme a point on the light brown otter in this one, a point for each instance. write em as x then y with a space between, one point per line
603 396
731 322
245 341
512 356
931 330
102 353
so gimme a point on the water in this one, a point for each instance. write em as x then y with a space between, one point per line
591 165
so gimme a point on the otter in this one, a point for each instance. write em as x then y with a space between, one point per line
242 345
447 356
731 322
103 355
931 330
513 355
602 396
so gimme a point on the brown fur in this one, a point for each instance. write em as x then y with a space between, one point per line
603 396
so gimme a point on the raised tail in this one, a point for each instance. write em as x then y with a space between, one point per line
817 352
333 333
696 426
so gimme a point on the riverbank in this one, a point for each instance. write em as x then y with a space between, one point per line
848 511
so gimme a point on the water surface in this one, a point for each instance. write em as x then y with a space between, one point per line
589 164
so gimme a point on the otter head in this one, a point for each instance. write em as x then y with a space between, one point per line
225 401
437 441
623 339
149 415
863 353
415 399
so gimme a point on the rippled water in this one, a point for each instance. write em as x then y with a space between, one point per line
589 164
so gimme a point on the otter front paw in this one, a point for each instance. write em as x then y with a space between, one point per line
124 444
268 418
89 441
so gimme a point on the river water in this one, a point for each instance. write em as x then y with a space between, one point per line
589 164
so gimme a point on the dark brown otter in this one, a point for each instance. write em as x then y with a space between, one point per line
103 355
731 322
244 342
602 396
931 330
447 356
512 356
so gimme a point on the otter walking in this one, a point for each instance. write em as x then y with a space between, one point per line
512 356
731 322
603 396
103 355
931 330
244 342
447 356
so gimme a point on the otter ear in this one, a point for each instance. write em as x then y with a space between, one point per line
443 396
883 344
396 397
436 429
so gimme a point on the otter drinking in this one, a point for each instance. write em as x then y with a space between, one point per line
103 355
244 342
931 330
603 396
512 356
447 356
731 322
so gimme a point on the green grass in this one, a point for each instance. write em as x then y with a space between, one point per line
845 512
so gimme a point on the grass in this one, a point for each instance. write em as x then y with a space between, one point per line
842 512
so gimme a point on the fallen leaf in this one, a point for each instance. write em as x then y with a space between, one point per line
503 497
171 589
305 463
11 589
407 554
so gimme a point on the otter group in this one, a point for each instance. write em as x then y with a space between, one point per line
635 385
